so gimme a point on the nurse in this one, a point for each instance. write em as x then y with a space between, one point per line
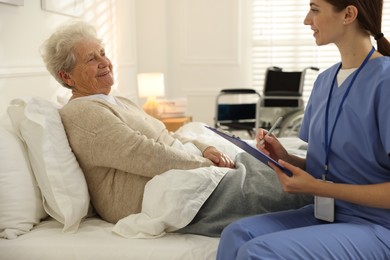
347 168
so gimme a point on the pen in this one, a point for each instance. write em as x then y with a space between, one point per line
272 128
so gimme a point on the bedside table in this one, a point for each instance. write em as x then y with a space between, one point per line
174 123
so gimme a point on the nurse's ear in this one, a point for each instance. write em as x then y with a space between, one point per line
350 14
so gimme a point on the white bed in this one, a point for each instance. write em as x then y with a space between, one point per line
94 240
42 218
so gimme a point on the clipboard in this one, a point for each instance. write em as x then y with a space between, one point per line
249 149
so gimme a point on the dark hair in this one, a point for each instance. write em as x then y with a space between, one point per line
369 18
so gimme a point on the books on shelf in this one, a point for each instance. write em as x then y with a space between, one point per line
172 107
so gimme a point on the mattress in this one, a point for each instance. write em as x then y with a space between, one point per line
95 240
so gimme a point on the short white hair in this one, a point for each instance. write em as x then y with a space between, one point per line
58 50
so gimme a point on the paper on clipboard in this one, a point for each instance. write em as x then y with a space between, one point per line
249 149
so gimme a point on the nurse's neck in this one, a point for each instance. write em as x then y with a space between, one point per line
353 54
353 59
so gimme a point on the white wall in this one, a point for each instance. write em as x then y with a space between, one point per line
201 46
24 28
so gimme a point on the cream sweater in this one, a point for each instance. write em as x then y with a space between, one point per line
120 148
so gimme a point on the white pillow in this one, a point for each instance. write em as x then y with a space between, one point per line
19 211
55 167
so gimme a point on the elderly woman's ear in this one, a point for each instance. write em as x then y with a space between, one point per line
65 77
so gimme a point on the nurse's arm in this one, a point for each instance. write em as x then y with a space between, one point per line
371 195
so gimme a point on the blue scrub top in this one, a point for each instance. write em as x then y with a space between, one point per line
359 152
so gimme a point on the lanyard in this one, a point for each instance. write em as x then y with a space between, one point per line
328 139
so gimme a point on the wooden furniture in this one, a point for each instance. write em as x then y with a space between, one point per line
174 123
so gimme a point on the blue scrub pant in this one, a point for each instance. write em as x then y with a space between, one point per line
297 234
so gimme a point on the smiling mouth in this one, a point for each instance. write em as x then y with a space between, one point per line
104 74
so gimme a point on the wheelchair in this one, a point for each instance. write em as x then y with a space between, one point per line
282 97
237 110
246 110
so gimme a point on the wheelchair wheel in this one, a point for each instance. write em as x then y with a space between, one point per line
291 125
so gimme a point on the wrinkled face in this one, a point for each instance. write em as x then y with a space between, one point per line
92 73
326 23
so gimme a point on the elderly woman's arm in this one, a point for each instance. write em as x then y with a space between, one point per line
208 151
119 147
99 136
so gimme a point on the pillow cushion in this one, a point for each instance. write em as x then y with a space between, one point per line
62 183
19 211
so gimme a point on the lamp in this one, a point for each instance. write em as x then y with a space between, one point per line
151 85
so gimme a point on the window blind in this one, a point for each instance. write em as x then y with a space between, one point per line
279 38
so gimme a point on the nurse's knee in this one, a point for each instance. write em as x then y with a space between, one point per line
235 229
254 250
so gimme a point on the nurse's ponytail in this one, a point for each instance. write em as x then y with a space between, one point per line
383 44
370 19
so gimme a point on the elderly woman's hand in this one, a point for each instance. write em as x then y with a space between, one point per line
218 158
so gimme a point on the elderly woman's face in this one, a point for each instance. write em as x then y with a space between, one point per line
92 73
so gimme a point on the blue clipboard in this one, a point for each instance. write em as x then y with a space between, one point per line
249 149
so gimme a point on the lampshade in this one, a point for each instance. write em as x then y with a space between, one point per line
151 84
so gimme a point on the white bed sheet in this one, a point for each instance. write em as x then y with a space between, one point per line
95 240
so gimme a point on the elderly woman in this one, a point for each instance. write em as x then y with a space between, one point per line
120 148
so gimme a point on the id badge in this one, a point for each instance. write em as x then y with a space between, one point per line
324 208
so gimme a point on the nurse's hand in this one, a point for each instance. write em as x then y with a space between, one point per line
300 182
271 145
